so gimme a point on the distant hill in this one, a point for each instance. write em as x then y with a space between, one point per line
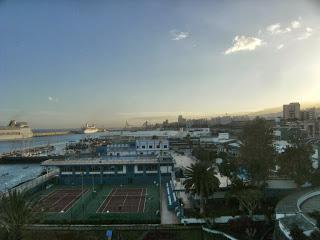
277 111
266 113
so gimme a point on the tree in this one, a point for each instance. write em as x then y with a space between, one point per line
296 233
315 177
316 216
227 168
201 180
295 162
15 213
248 198
188 140
257 153
204 155
315 235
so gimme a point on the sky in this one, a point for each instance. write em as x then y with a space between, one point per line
64 63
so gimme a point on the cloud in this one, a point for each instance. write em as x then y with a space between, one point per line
276 29
309 29
295 24
243 43
52 99
308 33
178 35
280 46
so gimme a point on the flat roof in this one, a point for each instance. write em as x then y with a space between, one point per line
288 210
107 161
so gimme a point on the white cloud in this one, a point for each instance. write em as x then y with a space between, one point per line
295 24
276 29
52 99
243 43
288 29
280 46
304 36
178 35
308 33
309 29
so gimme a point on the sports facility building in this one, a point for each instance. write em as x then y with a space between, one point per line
145 162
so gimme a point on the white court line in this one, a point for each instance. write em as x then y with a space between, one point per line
140 200
124 200
104 201
109 195
145 199
48 195
74 200
55 203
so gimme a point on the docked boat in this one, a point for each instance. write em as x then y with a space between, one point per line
89 129
15 130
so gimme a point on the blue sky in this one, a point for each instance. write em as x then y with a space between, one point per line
63 63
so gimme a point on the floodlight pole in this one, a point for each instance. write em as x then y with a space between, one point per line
93 182
82 195
160 193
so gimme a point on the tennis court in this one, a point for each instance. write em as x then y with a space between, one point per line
59 200
124 200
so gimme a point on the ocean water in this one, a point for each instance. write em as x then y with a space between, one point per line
7 146
14 174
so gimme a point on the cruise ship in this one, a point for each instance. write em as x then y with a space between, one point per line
15 130
89 128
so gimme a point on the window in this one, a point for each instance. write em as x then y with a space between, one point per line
119 168
150 146
66 169
108 168
140 168
152 167
158 146
94 169
165 146
143 147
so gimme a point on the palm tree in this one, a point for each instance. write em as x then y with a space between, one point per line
15 213
201 181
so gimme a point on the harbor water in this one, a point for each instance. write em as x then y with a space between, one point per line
14 174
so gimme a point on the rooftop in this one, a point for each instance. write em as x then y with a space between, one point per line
107 161
291 210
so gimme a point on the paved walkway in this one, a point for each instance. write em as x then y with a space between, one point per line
167 217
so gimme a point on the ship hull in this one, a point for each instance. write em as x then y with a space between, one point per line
88 131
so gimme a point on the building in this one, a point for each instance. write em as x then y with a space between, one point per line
308 114
199 132
181 120
119 163
311 128
15 130
291 111
144 146
113 170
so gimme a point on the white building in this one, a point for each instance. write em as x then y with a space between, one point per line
152 146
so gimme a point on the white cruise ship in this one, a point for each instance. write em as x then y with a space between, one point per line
89 128
15 130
